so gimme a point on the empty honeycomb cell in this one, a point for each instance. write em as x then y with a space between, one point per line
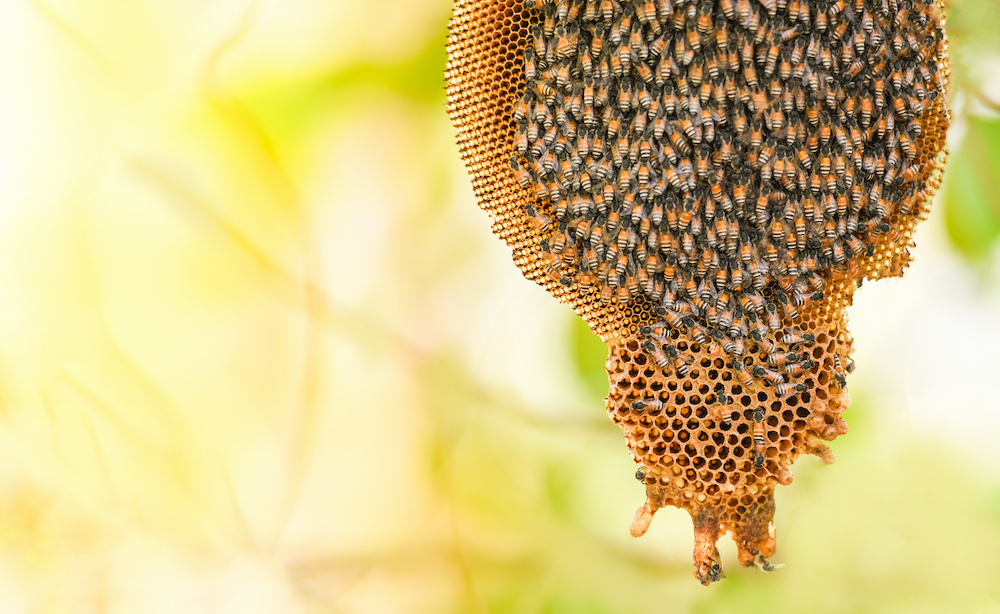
707 182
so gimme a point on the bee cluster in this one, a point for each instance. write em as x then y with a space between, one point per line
723 158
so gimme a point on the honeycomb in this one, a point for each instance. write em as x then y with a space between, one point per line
706 183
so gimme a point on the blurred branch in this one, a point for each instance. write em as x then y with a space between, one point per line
78 38
981 97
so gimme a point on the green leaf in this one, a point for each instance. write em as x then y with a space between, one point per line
972 26
589 354
293 108
972 190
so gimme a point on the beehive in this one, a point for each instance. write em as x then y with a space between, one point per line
706 183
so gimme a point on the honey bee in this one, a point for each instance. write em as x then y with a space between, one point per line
793 337
699 334
814 46
645 12
708 122
665 8
685 56
733 345
624 96
680 362
758 429
760 210
756 302
875 226
540 221
803 16
866 111
763 373
521 175
740 192
780 359
625 290
777 230
723 399
771 58
787 389
664 69
696 226
565 45
756 134
658 44
907 146
680 143
676 319
784 67
607 294
687 242
742 373
773 320
669 295
752 24
642 95
736 278
538 42
787 305
798 369
743 11
750 75
686 171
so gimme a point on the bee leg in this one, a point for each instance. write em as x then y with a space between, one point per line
764 564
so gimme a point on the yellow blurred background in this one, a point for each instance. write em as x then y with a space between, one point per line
259 351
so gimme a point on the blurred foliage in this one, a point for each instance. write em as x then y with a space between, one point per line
291 108
972 190
970 197
542 523
589 354
972 29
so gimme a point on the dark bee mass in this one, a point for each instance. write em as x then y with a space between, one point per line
722 158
